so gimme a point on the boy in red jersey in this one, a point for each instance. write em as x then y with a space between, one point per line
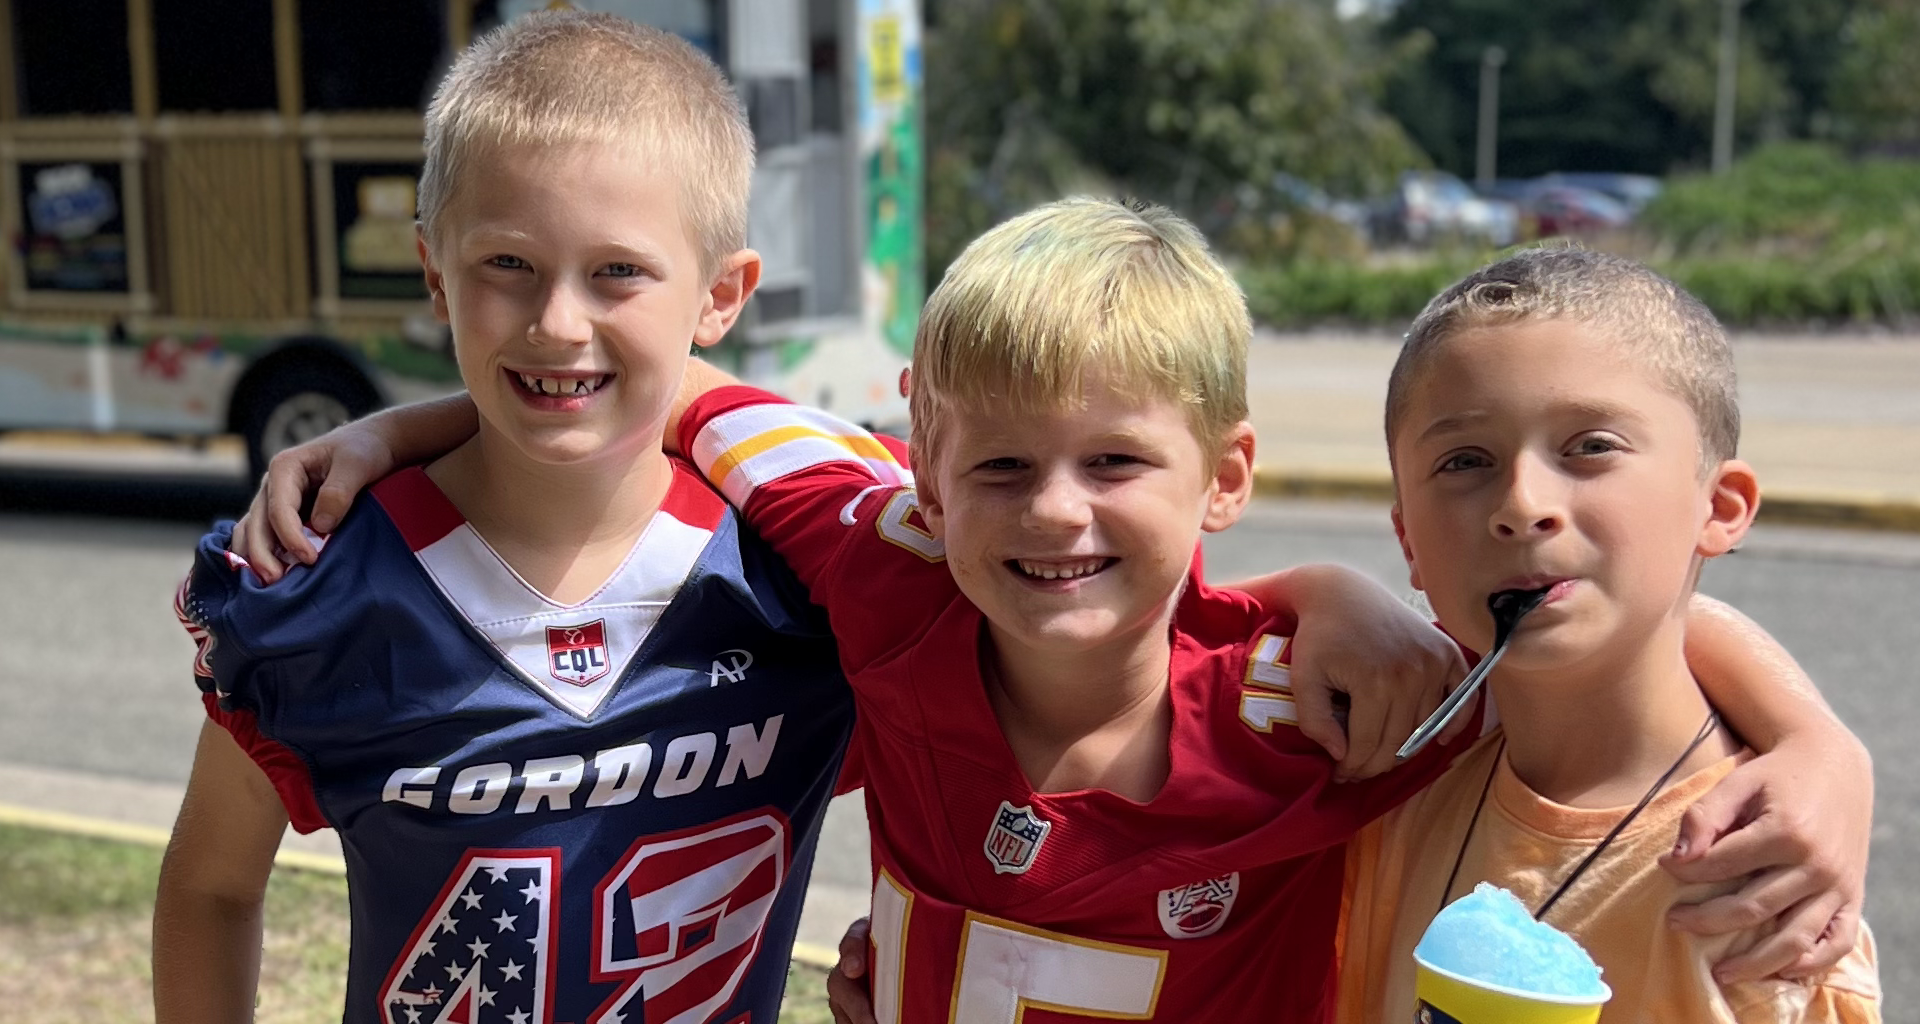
1086 792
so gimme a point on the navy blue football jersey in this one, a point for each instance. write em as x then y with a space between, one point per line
597 812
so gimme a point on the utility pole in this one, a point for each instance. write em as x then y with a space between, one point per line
1729 80
1487 151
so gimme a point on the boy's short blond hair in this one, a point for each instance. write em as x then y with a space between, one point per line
1083 287
562 77
1672 333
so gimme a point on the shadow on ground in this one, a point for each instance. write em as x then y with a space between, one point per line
182 497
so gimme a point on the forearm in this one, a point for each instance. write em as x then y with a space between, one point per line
1284 589
423 431
1755 684
700 378
206 953
213 883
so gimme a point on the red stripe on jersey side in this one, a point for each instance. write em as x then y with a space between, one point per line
691 500
417 507
283 767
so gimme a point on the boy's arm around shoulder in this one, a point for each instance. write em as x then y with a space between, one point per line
1797 819
334 468
812 485
1355 640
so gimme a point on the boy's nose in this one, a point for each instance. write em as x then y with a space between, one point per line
563 319
1531 506
1058 502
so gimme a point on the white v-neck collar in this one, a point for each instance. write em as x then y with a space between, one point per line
575 654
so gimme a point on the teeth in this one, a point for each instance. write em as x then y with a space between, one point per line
1061 572
557 386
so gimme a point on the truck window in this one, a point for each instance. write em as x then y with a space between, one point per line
72 58
214 55
359 55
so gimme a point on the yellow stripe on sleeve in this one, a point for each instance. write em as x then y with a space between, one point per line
859 448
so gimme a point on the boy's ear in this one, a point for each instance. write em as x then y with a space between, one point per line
1406 550
739 275
1232 484
436 281
931 511
1734 500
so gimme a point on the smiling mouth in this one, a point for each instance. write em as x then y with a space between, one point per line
560 387
1060 570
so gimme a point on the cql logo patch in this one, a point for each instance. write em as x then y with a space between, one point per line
578 654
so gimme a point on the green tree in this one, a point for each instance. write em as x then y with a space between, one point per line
1877 81
1627 85
1195 103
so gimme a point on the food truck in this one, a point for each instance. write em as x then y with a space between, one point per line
211 203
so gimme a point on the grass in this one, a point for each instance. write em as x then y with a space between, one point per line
75 918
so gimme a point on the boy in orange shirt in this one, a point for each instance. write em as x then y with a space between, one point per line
1567 420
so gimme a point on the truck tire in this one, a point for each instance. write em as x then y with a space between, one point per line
299 402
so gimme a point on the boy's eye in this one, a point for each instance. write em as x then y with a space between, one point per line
508 262
1595 444
1113 460
624 270
1457 462
1004 464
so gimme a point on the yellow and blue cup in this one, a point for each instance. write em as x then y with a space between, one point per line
1443 997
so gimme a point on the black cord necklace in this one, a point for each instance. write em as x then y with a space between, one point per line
1706 729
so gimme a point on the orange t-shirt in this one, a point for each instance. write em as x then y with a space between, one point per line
1397 867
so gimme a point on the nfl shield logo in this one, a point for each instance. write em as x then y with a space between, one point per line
1198 910
1015 838
577 654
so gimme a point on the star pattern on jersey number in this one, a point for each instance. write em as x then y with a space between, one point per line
464 970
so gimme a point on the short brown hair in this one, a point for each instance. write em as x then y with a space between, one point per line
1077 287
560 77
1672 332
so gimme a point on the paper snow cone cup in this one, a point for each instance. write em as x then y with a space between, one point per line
1442 997
1485 960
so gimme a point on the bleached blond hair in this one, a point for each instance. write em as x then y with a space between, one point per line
567 77
1036 308
1660 324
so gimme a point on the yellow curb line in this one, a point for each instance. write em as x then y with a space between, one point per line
1858 511
145 835
804 953
819 958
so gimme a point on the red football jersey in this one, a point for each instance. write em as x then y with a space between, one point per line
1217 900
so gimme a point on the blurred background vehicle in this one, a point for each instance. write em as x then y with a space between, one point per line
213 206
1427 207
1633 191
1565 210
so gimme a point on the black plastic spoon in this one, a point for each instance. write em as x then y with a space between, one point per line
1508 607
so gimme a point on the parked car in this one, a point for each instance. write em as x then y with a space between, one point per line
1304 195
1430 206
1634 191
1565 210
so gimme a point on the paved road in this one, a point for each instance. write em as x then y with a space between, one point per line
91 681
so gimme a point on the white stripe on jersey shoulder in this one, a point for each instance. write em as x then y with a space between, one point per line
742 449
572 653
